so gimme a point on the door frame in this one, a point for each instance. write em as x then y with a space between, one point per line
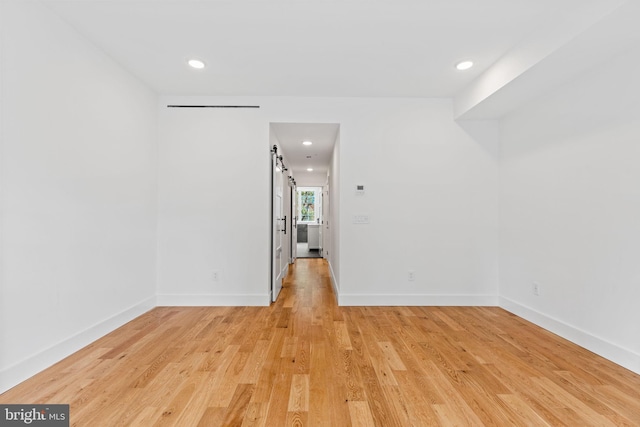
326 214
293 223
277 224
281 223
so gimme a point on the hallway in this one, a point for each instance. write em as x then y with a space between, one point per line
303 251
306 361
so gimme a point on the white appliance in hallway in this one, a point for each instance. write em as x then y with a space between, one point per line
313 236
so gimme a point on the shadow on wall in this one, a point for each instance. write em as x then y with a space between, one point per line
575 114
485 133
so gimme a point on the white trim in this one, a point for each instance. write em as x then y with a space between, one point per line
417 300
613 352
20 371
208 300
334 283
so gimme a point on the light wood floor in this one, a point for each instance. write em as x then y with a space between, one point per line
305 361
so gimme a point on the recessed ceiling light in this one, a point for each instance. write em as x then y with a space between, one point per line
196 63
307 142
309 169
464 65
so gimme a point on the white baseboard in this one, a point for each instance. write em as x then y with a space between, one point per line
334 283
18 372
417 300
622 356
198 300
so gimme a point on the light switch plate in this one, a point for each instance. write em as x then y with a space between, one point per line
361 219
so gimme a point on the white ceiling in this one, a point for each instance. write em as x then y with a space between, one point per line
341 48
308 48
300 157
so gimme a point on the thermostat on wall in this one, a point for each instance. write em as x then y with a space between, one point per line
359 189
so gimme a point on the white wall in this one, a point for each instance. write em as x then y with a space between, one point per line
214 207
78 201
570 209
3 320
430 194
431 198
334 215
311 179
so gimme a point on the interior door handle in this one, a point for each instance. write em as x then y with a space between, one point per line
285 224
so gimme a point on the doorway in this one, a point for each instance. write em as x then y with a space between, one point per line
302 156
310 222
279 257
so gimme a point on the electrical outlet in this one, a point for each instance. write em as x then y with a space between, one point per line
535 288
215 276
411 276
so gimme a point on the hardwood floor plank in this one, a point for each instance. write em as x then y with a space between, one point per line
212 417
302 357
391 356
155 367
285 316
589 396
145 417
454 401
297 419
480 391
269 369
253 366
306 361
619 402
342 335
360 414
290 347
299 394
279 398
230 381
522 386
382 413
523 410
420 398
238 406
256 415
319 378
172 412
586 415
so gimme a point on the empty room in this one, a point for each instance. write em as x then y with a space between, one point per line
366 213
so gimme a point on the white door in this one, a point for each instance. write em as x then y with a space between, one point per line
326 214
278 226
321 223
293 214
